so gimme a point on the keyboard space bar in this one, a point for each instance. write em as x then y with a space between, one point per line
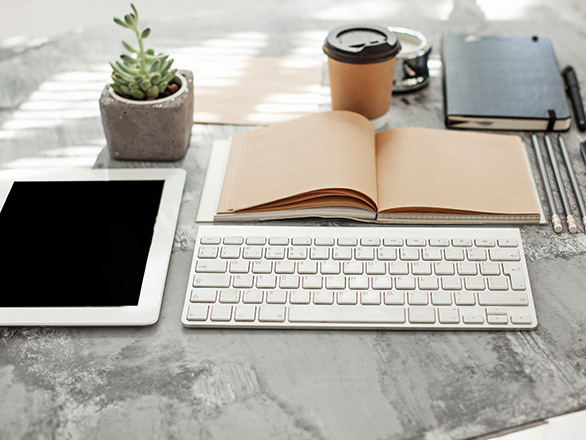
346 313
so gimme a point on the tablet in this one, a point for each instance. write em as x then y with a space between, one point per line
86 246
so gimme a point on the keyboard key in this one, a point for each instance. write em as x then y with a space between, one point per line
252 296
252 253
307 267
504 254
256 241
324 241
266 281
211 280
301 241
279 241
203 295
275 253
370 297
197 312
221 312
441 298
276 296
229 296
507 242
311 282
448 315
299 297
245 313
421 315
208 252
392 241
347 313
211 240
470 318
336 282
521 319
282 267
239 266
417 298
497 319
404 283
323 297
502 298
347 297
211 266
464 298
394 297
432 254
271 313
452 254
358 282
234 240
515 272
243 281
289 282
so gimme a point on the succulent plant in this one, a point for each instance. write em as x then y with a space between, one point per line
141 74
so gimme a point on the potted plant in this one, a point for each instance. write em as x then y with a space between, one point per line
147 111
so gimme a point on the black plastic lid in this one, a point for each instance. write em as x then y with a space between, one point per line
361 44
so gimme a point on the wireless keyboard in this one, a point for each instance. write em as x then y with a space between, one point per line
359 278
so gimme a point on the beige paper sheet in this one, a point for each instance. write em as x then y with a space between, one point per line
257 90
452 170
326 150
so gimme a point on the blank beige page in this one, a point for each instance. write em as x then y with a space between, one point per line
428 169
333 150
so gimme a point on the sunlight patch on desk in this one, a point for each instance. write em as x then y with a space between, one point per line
236 80
505 10
372 10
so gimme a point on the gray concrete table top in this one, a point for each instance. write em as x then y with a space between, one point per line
165 381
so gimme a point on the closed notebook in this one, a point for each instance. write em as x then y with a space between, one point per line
503 83
334 165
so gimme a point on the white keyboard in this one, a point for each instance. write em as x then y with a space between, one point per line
359 278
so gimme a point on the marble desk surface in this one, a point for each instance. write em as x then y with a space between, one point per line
165 381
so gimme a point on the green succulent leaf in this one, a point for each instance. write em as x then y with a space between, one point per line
163 85
153 92
125 90
138 94
134 10
150 51
156 78
154 66
117 89
128 59
145 85
120 22
130 20
145 33
128 47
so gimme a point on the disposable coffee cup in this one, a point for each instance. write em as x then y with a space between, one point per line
361 64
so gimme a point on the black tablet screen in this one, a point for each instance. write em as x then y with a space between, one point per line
76 244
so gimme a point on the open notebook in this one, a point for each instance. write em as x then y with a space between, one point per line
334 165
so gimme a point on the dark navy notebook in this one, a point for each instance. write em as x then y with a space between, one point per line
503 83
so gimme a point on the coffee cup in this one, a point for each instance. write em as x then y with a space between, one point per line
361 65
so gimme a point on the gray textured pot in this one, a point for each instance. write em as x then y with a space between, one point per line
149 130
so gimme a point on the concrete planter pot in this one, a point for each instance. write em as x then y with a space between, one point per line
149 130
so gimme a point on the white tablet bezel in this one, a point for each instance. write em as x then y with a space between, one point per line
148 309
